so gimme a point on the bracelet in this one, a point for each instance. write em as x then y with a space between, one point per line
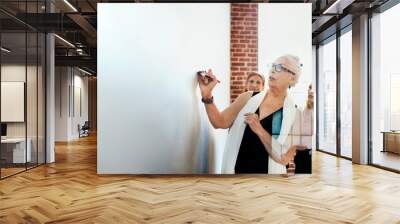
207 101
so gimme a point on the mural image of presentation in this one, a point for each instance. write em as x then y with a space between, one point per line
195 88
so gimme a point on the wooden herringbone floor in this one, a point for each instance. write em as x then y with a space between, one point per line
70 191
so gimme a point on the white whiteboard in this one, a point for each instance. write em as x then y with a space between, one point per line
12 101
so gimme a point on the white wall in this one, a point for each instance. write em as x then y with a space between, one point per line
79 117
61 103
67 117
150 119
285 28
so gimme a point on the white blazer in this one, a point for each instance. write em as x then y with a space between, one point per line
279 145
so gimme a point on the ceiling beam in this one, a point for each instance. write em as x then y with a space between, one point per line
84 61
86 26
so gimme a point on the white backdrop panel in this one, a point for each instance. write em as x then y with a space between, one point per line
150 119
285 28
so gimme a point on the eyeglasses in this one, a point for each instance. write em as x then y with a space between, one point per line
279 68
254 81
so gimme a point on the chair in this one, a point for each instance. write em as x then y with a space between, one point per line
84 130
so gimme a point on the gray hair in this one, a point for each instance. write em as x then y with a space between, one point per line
296 64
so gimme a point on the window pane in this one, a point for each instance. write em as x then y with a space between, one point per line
346 94
14 153
31 88
327 97
386 89
41 98
31 100
22 89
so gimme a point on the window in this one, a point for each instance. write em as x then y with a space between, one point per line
385 89
22 77
327 97
346 94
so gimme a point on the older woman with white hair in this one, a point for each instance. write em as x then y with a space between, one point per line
259 122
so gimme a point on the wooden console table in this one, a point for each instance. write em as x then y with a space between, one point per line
391 141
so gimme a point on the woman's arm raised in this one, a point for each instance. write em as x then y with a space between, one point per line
225 118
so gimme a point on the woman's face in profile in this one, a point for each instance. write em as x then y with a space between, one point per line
280 77
255 83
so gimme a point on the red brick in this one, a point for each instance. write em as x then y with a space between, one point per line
235 24
239 27
234 9
238 74
239 50
237 64
238 18
238 45
244 32
249 24
242 5
239 54
250 19
250 36
237 83
244 14
244 59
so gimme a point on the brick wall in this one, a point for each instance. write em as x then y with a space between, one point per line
244 44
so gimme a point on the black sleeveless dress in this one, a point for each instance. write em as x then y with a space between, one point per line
252 156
